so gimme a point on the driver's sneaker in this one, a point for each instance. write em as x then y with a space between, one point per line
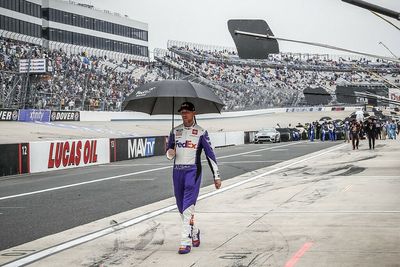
184 249
196 239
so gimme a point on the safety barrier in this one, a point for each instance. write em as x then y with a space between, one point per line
55 155
221 139
44 156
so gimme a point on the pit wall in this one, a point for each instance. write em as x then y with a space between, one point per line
45 156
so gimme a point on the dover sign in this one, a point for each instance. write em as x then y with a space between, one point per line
8 114
65 116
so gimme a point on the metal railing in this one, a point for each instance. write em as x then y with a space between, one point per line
300 61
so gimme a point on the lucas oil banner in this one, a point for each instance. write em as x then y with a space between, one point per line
57 155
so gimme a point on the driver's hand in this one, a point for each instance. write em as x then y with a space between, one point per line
171 153
217 183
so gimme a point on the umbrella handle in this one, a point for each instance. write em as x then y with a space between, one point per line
173 113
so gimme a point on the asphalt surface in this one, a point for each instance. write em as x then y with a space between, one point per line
127 185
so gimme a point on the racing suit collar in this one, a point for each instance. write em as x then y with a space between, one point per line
188 127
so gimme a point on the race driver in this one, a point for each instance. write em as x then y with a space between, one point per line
185 145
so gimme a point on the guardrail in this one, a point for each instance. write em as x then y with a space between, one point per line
44 156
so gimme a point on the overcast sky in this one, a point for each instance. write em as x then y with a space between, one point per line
331 22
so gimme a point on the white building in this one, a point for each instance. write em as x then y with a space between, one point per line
74 27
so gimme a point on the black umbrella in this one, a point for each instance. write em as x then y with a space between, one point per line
165 97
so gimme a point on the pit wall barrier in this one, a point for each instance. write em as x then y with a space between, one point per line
44 156
222 139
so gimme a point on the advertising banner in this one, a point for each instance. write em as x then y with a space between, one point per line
14 159
137 147
31 115
65 116
8 114
37 65
57 155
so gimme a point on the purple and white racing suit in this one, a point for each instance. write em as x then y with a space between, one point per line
189 142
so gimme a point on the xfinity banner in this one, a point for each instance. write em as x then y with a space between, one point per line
57 155
138 147
31 115
65 116
8 114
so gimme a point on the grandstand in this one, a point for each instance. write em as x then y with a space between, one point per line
86 81
281 79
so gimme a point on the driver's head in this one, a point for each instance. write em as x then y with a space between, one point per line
188 112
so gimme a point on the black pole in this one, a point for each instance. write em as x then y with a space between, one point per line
173 112
375 8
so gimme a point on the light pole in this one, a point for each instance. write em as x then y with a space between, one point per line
387 48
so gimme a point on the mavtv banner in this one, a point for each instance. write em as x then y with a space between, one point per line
138 147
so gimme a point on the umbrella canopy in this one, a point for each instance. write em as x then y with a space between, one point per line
165 97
